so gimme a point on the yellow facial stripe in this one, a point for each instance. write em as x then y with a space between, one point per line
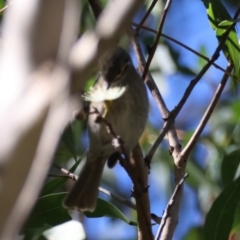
107 105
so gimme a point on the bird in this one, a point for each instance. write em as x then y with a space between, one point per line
120 97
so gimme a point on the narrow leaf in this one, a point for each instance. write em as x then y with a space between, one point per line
107 209
48 211
220 218
232 48
229 166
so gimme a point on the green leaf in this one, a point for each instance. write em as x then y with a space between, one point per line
52 185
35 233
2 5
229 166
216 13
68 140
107 209
220 20
219 219
232 48
48 211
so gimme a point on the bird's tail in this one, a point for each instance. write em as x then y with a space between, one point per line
83 196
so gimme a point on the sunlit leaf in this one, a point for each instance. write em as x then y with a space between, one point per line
216 12
220 20
232 49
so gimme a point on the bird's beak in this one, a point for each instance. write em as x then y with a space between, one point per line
108 85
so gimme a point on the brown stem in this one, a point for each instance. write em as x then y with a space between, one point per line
154 47
145 16
188 48
135 167
181 159
191 143
114 196
186 95
170 204
140 171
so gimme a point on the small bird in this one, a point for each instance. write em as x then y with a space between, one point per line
119 96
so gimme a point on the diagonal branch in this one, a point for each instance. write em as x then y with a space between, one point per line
170 204
145 16
191 143
114 196
154 47
186 95
138 172
186 47
181 159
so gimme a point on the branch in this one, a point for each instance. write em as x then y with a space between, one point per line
191 143
154 47
145 16
186 47
114 196
181 159
186 94
140 170
172 136
171 202
168 127
135 167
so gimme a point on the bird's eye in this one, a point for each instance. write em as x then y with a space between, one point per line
123 69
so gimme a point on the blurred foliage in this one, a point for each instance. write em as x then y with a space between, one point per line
107 209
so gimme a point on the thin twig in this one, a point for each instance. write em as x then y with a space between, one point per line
56 176
186 47
148 80
181 159
117 140
114 196
169 206
66 172
187 93
74 177
136 169
142 202
145 16
191 143
155 44
119 199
